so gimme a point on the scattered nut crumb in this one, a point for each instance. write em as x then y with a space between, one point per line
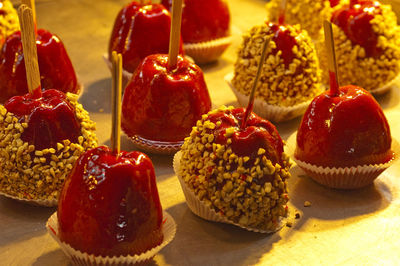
101 110
307 203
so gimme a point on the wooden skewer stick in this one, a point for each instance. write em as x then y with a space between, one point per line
175 35
31 5
332 66
29 48
116 102
249 108
282 10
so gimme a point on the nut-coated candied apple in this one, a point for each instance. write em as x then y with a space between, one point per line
109 204
203 20
162 104
239 171
355 21
55 66
140 30
344 130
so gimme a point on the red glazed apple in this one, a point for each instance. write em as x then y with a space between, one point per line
162 104
203 20
50 118
54 64
109 204
140 30
355 21
346 130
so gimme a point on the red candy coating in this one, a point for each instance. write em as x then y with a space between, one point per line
55 67
203 20
259 133
334 3
345 130
139 31
284 42
355 21
50 118
109 204
163 104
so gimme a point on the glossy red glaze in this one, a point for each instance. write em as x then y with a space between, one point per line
284 42
334 2
259 133
163 104
56 70
203 20
139 31
355 21
109 204
345 130
50 118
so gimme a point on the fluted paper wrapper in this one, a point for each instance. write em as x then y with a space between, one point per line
343 177
156 147
126 76
206 52
80 258
199 208
34 202
273 113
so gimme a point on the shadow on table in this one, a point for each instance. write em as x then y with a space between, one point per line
22 221
201 242
334 204
55 257
389 99
97 96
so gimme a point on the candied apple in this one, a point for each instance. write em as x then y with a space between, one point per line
203 20
162 104
227 167
55 66
355 21
344 130
109 204
42 134
366 37
140 30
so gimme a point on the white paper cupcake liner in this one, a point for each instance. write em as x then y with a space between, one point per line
273 113
343 177
34 202
386 87
126 76
206 52
80 258
199 208
156 147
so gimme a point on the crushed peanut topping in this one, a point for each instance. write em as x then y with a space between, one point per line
39 174
310 14
354 67
279 85
248 191
8 23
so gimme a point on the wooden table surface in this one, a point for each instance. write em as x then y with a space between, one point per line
341 227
